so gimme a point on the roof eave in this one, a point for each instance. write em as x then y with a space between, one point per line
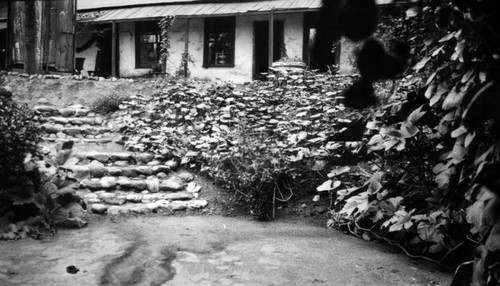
253 13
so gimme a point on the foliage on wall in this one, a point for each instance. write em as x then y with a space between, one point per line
165 25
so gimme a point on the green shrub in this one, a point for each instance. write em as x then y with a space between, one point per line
108 103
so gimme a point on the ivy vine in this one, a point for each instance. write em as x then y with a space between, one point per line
165 25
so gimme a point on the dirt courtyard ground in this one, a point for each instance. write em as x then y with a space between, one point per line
196 250
214 250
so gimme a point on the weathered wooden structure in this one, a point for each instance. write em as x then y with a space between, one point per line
41 35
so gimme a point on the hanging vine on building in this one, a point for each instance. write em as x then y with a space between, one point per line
165 25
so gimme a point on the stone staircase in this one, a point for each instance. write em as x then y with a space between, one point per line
76 123
110 179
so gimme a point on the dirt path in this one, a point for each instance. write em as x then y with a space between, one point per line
207 251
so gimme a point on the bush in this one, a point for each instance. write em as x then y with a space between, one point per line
19 135
435 191
108 103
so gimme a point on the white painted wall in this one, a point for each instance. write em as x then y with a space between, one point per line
243 69
294 34
126 42
89 54
347 56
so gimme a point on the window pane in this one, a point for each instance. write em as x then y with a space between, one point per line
220 49
149 38
148 43
219 41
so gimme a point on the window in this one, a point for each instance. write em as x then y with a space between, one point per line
147 47
219 42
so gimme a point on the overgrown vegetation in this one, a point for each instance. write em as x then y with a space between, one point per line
108 103
32 195
434 156
417 171
165 24
19 136
266 136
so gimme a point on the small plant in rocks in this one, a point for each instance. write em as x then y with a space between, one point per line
108 103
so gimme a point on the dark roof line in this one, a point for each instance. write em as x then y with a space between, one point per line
162 4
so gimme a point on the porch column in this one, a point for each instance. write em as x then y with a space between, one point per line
9 37
113 49
271 38
186 49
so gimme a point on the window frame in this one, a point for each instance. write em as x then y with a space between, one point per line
146 28
219 25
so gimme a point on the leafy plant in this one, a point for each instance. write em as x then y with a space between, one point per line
165 24
108 103
19 135
265 141
29 189
434 190
42 196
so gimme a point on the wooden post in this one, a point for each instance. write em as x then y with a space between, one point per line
8 38
31 40
186 48
271 38
113 49
75 12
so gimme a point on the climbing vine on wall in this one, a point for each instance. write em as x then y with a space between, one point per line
165 25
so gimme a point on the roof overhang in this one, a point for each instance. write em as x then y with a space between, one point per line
193 10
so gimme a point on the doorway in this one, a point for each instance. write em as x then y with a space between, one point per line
261 46
104 48
310 33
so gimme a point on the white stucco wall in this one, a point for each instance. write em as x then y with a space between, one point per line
89 54
347 60
294 34
126 42
244 37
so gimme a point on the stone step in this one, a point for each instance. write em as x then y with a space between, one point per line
98 170
83 130
150 184
73 110
121 197
77 121
141 208
84 140
122 159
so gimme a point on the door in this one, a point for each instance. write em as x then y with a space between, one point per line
310 33
104 53
261 46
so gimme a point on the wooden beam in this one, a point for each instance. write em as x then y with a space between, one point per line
113 49
271 38
8 38
31 25
186 48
